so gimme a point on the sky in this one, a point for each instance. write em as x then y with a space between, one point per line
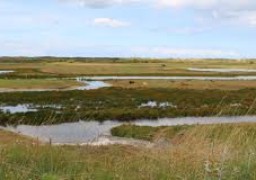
128 28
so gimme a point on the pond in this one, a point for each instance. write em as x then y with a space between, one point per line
93 132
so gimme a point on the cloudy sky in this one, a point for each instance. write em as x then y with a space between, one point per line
128 28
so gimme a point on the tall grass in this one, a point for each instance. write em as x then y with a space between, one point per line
222 151
197 152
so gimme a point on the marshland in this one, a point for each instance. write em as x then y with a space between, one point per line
127 90
113 118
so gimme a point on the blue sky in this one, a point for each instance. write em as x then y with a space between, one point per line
128 28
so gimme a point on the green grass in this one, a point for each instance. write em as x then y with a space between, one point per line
146 132
30 84
122 104
70 67
197 152
222 132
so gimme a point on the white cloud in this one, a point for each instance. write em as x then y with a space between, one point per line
101 3
194 52
109 22
183 3
57 47
187 30
236 5
209 4
225 11
185 52
237 17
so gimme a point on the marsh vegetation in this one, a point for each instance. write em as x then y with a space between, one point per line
220 151
123 104
73 67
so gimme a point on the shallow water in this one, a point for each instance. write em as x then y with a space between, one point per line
5 72
90 85
91 132
154 104
21 108
150 104
67 133
202 78
221 70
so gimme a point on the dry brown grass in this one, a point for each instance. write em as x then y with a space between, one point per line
9 138
201 152
126 68
171 67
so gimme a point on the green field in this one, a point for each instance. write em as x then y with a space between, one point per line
57 67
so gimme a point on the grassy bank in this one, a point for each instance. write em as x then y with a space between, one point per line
148 133
30 84
124 104
199 152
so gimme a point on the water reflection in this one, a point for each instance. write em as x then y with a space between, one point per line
90 85
85 132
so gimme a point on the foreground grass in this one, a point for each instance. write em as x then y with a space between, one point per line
198 152
31 84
